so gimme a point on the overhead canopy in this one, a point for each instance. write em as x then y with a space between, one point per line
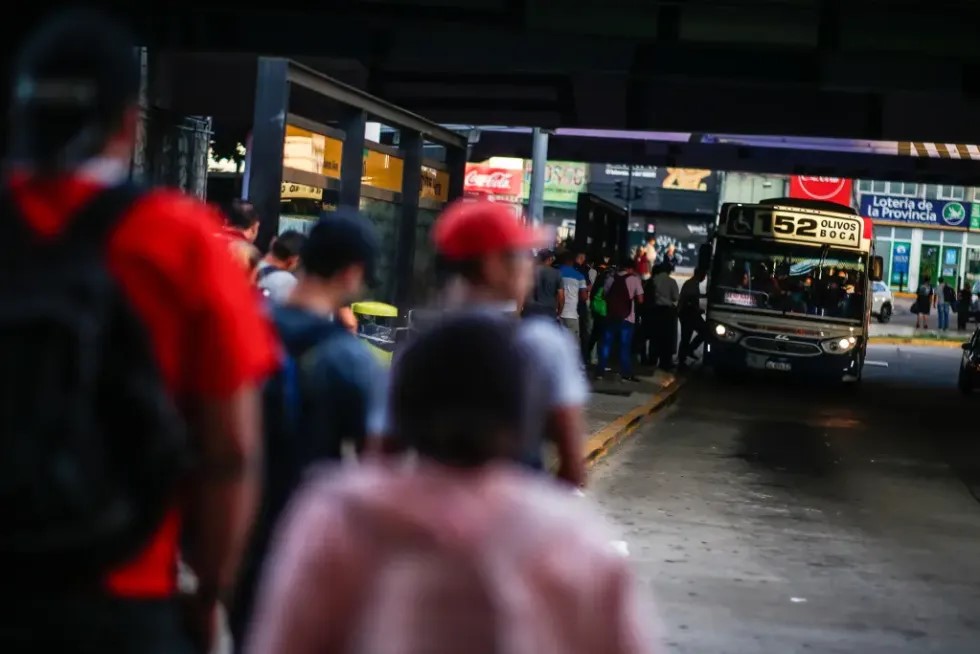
901 70
688 151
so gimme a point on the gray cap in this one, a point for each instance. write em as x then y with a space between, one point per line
73 81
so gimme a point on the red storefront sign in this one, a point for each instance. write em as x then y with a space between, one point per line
484 180
828 189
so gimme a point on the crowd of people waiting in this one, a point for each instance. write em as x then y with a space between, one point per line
631 306
183 402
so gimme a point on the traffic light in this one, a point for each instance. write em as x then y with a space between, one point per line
637 193
618 191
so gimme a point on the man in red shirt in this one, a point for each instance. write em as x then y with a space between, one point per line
242 221
74 120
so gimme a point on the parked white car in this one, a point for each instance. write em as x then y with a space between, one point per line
882 306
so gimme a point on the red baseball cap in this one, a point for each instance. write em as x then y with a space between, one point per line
469 229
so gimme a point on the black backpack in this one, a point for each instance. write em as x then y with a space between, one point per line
92 444
949 295
618 301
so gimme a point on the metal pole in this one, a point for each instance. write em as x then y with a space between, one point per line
268 136
139 164
539 159
629 195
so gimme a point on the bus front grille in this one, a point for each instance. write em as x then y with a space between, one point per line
778 346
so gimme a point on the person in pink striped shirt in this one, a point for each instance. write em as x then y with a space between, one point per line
462 552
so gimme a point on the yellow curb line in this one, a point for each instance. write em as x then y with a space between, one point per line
600 442
918 342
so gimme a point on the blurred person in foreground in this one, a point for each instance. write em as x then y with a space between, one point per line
488 253
464 552
200 346
331 389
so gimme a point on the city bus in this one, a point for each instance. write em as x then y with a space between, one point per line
789 289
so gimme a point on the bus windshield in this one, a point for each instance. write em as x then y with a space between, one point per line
806 281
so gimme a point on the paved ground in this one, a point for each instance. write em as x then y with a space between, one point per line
613 398
902 323
771 518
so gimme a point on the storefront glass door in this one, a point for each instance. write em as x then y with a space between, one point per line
972 267
928 262
950 269
899 278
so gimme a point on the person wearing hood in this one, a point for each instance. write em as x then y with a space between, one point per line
466 551
331 390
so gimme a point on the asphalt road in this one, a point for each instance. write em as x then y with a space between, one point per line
774 518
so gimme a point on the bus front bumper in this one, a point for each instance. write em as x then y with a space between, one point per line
732 356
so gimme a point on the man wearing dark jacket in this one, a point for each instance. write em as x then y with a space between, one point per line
331 390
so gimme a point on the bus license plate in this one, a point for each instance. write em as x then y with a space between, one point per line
781 366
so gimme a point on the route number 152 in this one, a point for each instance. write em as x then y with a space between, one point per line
787 225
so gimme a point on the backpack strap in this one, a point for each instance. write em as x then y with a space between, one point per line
96 220
267 272
91 224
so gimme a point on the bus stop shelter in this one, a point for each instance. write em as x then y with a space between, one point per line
309 156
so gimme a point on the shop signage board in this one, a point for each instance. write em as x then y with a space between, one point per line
687 179
435 184
622 170
900 263
975 215
382 170
563 181
653 177
481 179
919 212
311 152
826 189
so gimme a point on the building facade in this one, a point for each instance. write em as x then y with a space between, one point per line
920 229
923 230
751 188
676 206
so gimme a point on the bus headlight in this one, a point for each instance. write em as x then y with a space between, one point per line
840 345
725 333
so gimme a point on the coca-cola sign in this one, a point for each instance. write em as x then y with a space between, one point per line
494 181
828 189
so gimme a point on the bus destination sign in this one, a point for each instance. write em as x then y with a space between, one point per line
788 225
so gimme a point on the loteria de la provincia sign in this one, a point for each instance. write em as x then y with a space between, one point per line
920 212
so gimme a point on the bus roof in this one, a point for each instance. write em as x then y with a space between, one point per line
817 205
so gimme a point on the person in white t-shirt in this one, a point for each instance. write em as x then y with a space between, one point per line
275 276
489 254
575 286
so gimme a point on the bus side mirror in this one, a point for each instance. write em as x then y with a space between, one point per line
704 256
877 269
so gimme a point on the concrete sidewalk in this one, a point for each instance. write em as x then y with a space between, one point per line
902 324
616 408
